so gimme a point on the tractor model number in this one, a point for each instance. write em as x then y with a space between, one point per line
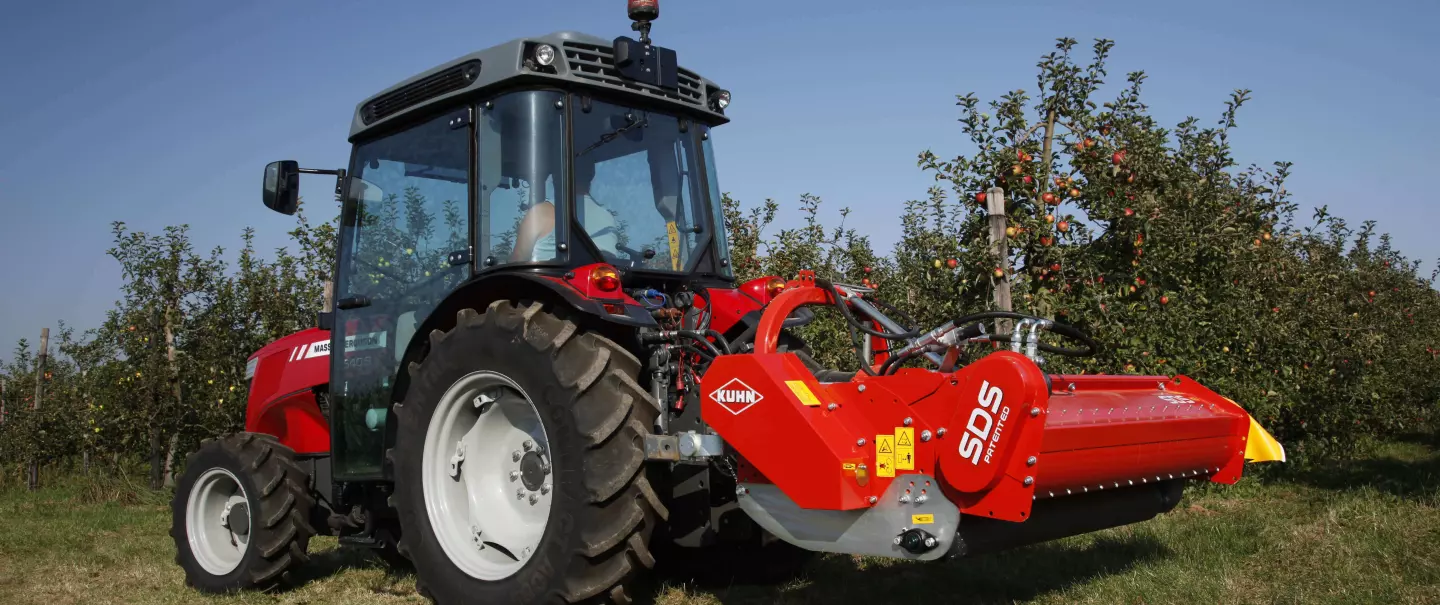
979 437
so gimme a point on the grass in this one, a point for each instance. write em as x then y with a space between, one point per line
1364 531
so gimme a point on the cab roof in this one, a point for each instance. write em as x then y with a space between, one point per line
582 60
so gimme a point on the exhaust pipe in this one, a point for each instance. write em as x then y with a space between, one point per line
1055 518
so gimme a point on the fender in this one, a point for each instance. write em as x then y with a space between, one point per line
479 291
284 376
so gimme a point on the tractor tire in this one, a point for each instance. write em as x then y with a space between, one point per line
584 393
226 548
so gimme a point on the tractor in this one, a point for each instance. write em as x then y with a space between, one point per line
540 379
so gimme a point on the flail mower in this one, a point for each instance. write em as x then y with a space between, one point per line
541 378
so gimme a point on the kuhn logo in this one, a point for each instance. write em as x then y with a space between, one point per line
982 432
736 396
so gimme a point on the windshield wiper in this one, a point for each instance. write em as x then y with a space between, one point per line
612 135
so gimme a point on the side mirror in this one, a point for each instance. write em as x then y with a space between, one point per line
282 186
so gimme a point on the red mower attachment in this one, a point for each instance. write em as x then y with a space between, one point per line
917 463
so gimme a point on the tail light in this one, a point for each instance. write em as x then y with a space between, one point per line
774 286
764 289
605 278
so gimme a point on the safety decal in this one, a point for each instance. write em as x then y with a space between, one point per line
736 396
922 519
905 448
884 455
674 236
803 392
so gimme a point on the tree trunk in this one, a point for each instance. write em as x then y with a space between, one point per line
156 470
168 479
170 460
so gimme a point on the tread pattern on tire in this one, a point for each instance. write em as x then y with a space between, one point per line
280 531
611 413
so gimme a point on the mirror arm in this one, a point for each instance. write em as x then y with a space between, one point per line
339 179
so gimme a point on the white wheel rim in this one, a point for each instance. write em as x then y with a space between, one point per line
217 547
487 475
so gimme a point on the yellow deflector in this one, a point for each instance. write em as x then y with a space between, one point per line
1261 447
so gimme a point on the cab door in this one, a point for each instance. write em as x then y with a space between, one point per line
405 242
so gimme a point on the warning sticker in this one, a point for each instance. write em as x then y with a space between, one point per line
884 455
922 519
905 448
674 237
803 392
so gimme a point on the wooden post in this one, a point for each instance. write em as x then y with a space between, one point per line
85 399
1000 252
328 304
32 479
40 368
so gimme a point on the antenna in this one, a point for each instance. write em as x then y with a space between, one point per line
642 12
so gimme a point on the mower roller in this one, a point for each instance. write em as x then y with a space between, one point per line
541 377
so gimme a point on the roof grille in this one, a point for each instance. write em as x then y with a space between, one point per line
429 87
597 63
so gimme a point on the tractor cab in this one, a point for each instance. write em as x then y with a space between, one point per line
536 157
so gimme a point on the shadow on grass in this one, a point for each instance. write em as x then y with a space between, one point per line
1016 575
333 561
1410 478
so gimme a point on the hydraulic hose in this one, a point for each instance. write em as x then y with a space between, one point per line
860 326
1065 330
704 294
699 338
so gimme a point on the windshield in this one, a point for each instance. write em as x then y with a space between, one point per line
639 193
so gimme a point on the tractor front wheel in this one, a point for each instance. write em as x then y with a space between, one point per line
519 462
240 514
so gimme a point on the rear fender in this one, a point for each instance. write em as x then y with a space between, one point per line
478 293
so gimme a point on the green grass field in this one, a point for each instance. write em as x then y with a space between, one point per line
1365 531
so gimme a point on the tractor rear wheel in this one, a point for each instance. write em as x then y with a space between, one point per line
240 514
519 462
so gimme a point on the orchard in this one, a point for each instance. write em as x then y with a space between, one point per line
1153 240
1149 238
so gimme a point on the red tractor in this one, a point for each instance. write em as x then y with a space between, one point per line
540 378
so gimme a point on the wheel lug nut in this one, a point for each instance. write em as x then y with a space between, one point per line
514 475
528 445
534 498
520 494
545 489
516 456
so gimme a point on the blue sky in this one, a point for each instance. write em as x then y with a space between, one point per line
165 111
